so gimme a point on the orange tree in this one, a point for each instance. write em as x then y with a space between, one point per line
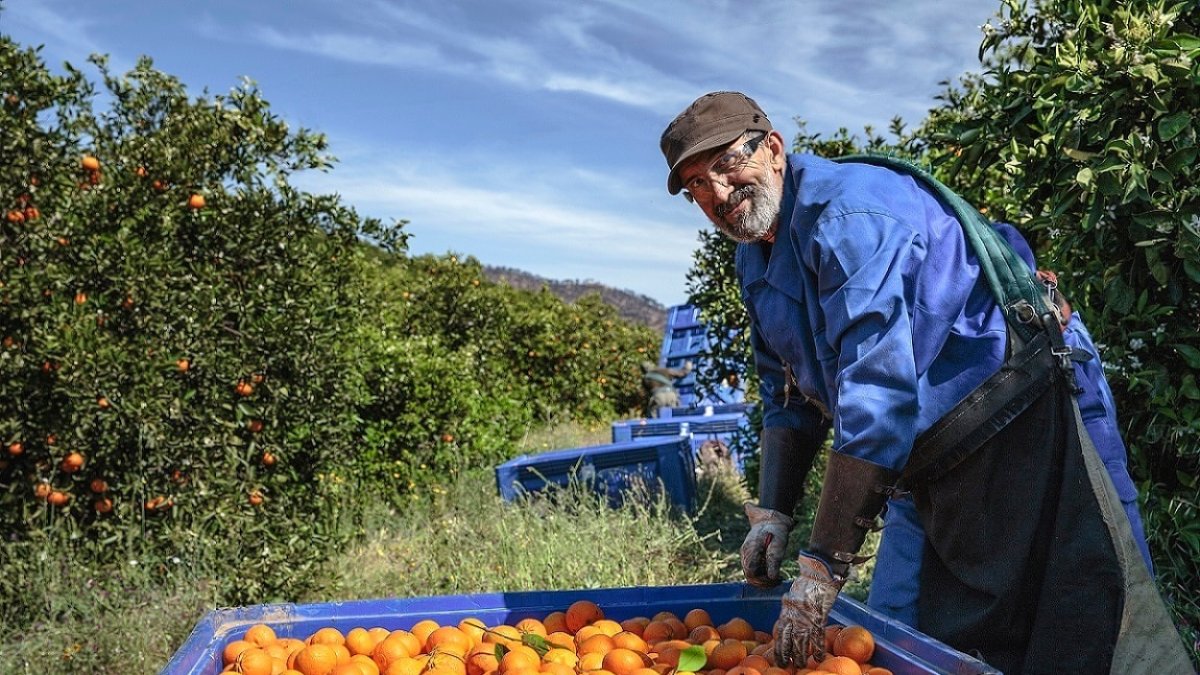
461 367
172 314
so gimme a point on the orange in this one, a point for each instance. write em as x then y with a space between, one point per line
855 642
582 613
756 661
423 628
474 628
566 657
360 641
562 639
520 657
627 640
623 661
482 659
635 625
668 655
679 630
607 626
234 649
411 643
841 665
405 665
657 631
697 617
737 628
762 636
728 654
596 644
255 661
743 670
551 668
555 622
72 462
645 670
365 664
315 659
876 670
447 660
260 634
448 638
389 650
327 636
586 632
502 634
348 668
531 625
701 634
591 661
776 670
90 163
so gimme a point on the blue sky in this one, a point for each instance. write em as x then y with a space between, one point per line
525 132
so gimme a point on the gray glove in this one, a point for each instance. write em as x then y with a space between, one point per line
800 630
764 547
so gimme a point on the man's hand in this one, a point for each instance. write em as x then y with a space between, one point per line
800 630
764 547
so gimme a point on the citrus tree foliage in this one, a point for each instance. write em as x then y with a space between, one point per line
202 365
171 310
1086 127
487 362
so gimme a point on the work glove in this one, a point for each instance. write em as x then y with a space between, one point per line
800 630
763 548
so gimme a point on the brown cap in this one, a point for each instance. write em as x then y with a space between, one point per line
711 121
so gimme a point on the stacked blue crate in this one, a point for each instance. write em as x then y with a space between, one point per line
663 462
686 339
700 428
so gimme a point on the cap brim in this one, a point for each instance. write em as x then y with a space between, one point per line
674 185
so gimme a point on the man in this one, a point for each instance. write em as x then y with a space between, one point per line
870 316
659 382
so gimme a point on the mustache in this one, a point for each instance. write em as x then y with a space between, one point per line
736 197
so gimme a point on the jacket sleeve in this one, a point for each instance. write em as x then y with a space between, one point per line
866 266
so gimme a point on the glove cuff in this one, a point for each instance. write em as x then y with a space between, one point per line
817 570
758 515
852 497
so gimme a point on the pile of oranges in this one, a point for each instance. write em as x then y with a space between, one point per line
578 641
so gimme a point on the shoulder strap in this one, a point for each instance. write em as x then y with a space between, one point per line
1011 281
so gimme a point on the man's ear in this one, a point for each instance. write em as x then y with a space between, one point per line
778 150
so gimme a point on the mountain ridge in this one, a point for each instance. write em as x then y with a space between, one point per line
631 306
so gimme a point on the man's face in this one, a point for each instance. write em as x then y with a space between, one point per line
739 187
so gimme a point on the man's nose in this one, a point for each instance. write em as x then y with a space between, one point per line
721 190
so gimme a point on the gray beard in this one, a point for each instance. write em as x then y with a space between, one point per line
758 219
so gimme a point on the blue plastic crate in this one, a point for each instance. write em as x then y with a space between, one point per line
703 409
612 469
701 428
898 648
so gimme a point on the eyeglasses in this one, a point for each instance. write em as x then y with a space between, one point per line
729 162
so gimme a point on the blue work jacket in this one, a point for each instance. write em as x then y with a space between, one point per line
873 302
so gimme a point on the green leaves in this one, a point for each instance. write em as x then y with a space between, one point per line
1172 125
692 659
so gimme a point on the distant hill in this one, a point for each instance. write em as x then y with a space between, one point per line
631 306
